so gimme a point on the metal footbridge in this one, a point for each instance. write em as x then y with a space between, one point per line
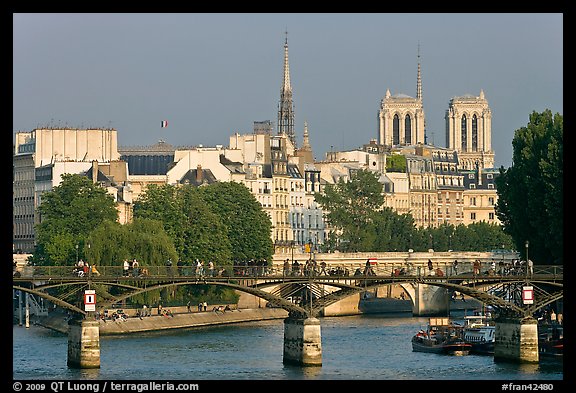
302 292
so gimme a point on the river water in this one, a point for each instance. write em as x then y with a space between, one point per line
364 347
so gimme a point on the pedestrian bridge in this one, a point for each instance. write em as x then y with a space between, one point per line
305 293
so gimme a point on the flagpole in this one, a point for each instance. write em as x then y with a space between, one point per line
163 124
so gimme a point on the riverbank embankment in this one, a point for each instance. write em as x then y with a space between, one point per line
135 324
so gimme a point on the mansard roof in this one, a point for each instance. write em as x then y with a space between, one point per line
232 166
196 179
100 177
487 176
293 171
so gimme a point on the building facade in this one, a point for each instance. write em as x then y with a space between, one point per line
40 157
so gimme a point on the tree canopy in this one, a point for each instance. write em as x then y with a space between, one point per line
351 207
197 232
248 226
69 212
530 192
361 223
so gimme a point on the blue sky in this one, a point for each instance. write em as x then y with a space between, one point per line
211 75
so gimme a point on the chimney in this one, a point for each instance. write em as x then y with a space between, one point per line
94 171
199 174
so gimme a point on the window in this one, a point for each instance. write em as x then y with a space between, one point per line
491 216
474 133
473 216
408 130
396 130
463 133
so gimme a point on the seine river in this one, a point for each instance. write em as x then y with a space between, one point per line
375 347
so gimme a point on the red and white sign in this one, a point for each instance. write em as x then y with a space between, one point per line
528 295
89 300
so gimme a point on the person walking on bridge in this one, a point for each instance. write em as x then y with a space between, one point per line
125 267
530 267
455 267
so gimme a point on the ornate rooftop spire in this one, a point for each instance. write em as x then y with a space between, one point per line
419 79
286 107
306 141
286 84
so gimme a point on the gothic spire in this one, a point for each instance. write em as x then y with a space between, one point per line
419 79
286 85
286 106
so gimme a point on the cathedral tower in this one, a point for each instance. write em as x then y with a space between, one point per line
286 106
469 131
401 117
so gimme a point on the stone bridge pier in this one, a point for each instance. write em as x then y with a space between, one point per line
429 300
516 340
83 344
302 341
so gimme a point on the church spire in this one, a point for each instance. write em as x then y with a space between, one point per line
286 86
306 141
286 106
419 79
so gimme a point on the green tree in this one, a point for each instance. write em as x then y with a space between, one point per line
393 231
249 227
197 232
351 207
143 239
165 204
205 235
530 192
68 213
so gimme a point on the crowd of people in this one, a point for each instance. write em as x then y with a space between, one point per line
260 267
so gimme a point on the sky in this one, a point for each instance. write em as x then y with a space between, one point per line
212 75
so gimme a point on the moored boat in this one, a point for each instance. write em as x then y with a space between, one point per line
480 333
551 341
441 337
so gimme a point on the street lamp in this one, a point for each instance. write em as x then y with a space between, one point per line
76 254
527 244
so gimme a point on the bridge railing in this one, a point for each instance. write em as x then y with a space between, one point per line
243 271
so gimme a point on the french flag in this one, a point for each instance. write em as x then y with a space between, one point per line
164 123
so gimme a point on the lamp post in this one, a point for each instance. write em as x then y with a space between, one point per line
527 244
315 244
76 254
